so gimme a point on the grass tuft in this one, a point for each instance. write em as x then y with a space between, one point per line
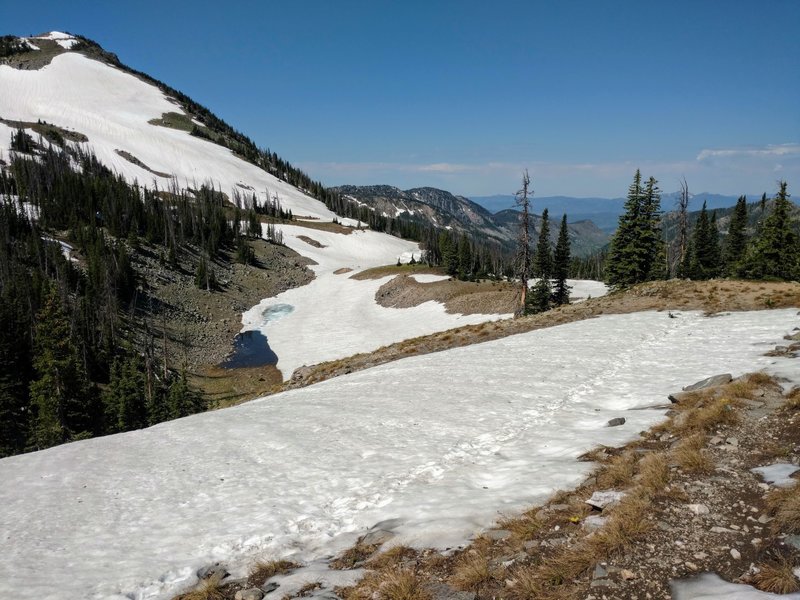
353 555
402 585
207 589
784 503
264 569
471 571
777 578
691 456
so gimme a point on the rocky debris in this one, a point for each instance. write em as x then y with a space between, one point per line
709 382
442 591
594 522
616 422
215 570
497 534
605 498
249 594
698 509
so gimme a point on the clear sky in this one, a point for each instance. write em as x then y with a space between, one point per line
463 95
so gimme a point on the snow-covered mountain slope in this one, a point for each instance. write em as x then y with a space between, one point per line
303 473
335 316
112 108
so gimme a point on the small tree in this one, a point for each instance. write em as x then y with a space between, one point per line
704 262
736 241
561 260
774 253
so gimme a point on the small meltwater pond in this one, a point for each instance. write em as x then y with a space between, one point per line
251 348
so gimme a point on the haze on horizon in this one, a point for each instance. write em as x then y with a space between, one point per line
465 95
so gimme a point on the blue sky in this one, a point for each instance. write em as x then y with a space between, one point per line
463 95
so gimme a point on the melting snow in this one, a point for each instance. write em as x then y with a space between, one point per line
712 587
443 442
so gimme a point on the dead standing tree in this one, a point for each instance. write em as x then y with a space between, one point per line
523 243
683 227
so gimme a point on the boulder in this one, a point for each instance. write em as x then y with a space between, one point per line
215 570
605 498
709 382
249 594
616 421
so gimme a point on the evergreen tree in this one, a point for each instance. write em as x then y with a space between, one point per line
736 240
561 262
543 259
59 394
464 258
124 398
182 400
704 262
774 252
637 252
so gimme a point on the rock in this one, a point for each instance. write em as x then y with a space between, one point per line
215 570
269 587
616 421
627 575
735 554
497 534
600 572
593 522
700 555
442 591
377 537
250 594
698 509
691 566
603 583
715 441
605 498
732 441
677 397
793 540
709 382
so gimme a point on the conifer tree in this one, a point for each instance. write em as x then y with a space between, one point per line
543 259
637 252
59 394
124 398
704 262
736 240
464 258
774 253
561 260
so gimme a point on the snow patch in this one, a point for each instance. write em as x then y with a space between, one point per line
710 586
444 442
778 474
429 277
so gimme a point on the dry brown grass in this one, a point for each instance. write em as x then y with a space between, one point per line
793 399
207 589
653 473
784 503
404 584
306 590
618 471
716 413
392 557
472 571
777 578
353 555
264 569
690 455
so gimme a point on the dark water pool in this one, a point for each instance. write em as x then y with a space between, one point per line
250 349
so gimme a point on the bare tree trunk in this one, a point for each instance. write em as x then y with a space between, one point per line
683 224
523 244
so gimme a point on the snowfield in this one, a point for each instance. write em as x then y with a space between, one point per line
335 316
112 108
443 443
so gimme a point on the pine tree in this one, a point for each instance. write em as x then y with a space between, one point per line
124 398
561 260
736 240
182 400
543 259
774 253
637 252
704 262
464 258
59 394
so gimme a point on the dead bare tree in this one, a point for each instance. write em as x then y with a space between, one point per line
683 225
523 243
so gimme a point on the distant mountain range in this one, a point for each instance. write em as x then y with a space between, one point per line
460 214
604 212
